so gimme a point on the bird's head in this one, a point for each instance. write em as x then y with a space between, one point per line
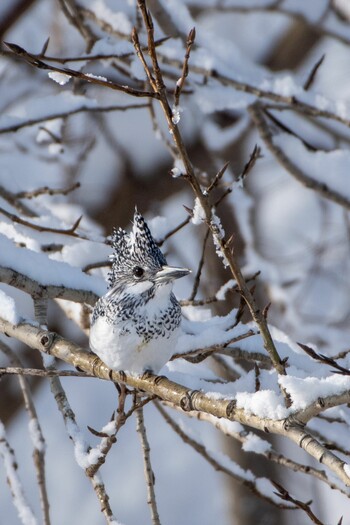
137 262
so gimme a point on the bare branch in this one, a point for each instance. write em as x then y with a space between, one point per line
284 495
181 81
45 190
312 75
199 269
149 475
63 114
33 61
73 15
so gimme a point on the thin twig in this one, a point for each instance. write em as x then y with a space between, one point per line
312 75
285 496
217 178
174 230
36 434
181 81
268 452
73 15
149 475
200 268
69 231
63 114
325 360
33 61
45 190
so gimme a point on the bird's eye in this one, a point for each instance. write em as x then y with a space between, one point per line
138 272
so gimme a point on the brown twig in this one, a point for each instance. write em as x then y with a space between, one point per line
217 178
325 360
73 15
69 231
33 61
312 75
75 435
63 114
174 230
200 268
290 102
211 220
181 81
149 475
45 190
305 507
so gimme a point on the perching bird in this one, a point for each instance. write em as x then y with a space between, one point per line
135 326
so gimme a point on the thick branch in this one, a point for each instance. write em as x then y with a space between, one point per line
181 396
51 291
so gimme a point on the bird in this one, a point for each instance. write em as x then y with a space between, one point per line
136 324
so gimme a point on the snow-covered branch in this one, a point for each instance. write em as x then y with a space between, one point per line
291 426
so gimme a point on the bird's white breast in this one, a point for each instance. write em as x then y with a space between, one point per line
120 346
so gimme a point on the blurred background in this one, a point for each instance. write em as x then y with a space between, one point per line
296 238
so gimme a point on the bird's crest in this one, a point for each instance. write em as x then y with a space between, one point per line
135 248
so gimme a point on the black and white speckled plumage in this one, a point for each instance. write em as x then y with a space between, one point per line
136 324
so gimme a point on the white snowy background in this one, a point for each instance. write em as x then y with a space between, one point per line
298 240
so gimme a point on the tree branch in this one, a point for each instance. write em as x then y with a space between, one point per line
185 398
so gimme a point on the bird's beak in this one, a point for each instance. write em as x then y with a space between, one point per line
170 273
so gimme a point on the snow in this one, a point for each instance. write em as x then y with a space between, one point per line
96 77
36 435
220 234
264 403
304 391
179 169
298 240
46 271
254 443
221 293
25 513
176 111
108 46
117 20
346 468
330 168
58 77
109 428
198 216
84 456
8 309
